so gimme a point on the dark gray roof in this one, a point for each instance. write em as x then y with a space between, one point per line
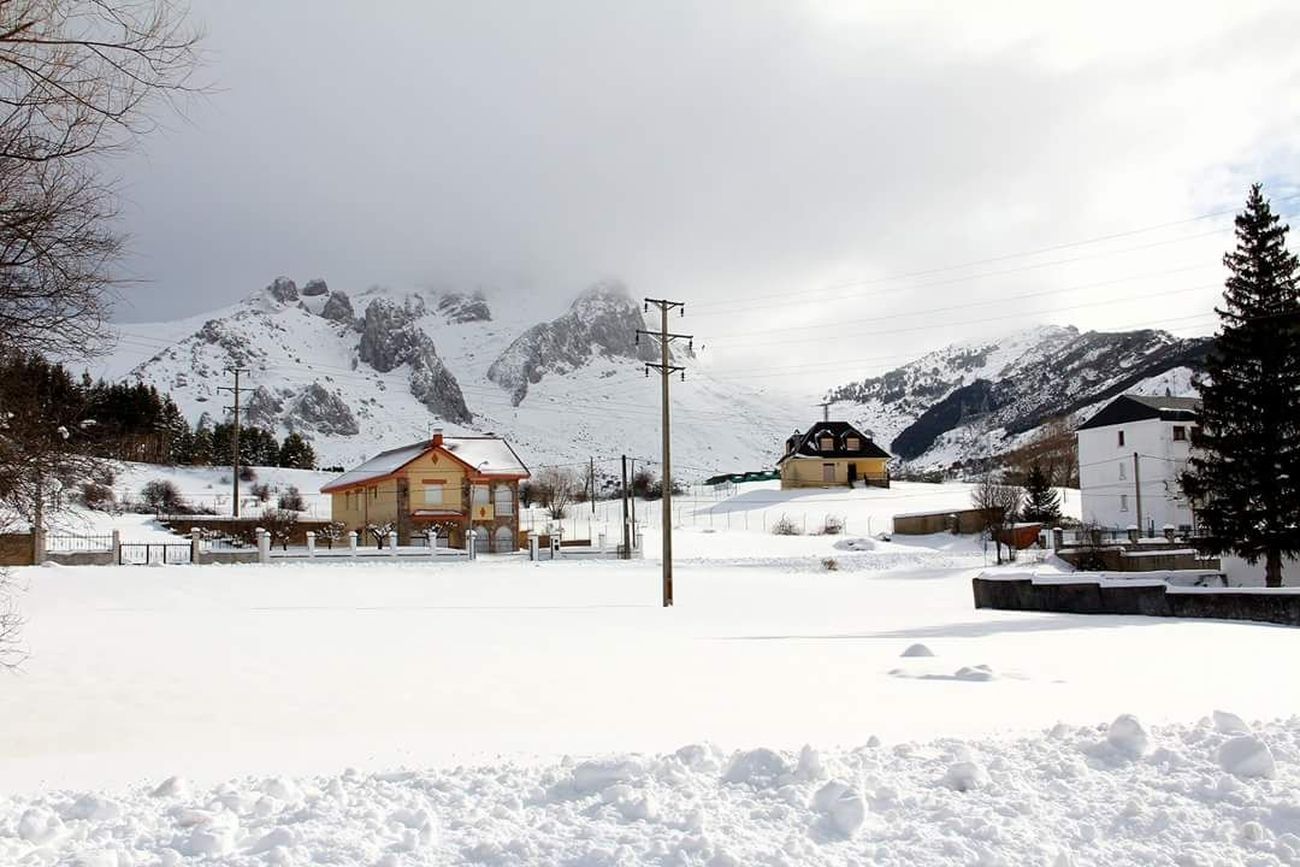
1138 407
805 445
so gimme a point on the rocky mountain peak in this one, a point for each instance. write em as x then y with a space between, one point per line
459 307
602 321
283 289
390 338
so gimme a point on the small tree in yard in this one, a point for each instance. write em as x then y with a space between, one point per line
280 524
379 532
999 503
1042 502
331 533
555 488
297 453
786 527
1244 474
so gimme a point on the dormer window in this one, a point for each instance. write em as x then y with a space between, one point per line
853 444
826 442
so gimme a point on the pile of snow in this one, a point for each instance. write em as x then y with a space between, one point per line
1049 798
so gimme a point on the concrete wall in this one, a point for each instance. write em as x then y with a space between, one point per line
1121 558
1107 489
1147 598
923 524
82 558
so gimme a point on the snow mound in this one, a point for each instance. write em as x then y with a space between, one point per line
589 777
1128 736
841 807
974 673
965 777
1230 723
917 650
1247 756
856 544
760 768
172 787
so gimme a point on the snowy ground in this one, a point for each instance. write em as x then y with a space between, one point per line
455 692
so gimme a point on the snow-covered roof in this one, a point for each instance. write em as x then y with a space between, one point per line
382 464
490 456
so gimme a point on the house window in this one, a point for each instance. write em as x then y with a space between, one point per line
1121 439
503 500
1123 470
433 492
828 472
1180 433
1123 502
826 444
853 444
479 495
374 493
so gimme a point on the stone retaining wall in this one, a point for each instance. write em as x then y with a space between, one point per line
1154 599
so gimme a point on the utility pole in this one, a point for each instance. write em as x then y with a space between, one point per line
591 483
666 369
627 529
826 410
1137 491
234 449
632 494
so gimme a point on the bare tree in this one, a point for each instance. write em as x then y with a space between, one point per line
79 80
555 488
280 523
999 503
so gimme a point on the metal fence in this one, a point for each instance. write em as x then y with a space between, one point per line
76 542
149 553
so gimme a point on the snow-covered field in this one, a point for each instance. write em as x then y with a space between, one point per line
506 712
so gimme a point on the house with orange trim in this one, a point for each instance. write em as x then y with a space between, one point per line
447 484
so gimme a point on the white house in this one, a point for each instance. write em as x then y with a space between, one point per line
1131 454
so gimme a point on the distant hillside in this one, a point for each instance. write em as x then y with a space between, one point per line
986 398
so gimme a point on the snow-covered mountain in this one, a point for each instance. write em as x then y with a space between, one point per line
363 372
985 398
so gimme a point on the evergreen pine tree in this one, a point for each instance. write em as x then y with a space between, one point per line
297 453
1242 478
1042 503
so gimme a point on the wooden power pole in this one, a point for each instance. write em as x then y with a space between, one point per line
234 449
627 527
666 369
1137 492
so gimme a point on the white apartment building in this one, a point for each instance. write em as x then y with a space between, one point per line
1131 454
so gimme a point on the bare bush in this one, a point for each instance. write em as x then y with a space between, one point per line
555 488
786 527
999 504
280 524
97 496
161 496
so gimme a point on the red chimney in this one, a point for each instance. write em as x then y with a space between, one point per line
436 440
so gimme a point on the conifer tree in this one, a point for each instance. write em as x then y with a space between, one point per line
1042 503
1242 476
297 453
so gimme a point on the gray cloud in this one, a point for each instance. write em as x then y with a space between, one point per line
743 156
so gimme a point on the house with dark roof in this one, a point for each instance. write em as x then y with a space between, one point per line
445 484
832 453
1132 453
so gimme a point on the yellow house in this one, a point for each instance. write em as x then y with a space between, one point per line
833 453
447 484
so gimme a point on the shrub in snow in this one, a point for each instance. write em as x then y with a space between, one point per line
917 650
786 527
1127 735
760 768
1230 723
292 499
965 776
161 496
97 496
841 806
1247 756
833 525
247 474
830 564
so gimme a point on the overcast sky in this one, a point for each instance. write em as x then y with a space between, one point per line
805 175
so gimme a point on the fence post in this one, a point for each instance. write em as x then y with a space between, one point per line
311 543
534 543
602 542
392 543
196 552
263 546
1058 538
469 543
352 543
433 542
